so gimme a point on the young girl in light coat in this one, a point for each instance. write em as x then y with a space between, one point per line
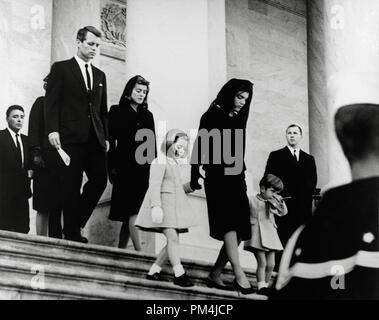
166 208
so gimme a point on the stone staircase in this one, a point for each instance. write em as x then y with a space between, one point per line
33 267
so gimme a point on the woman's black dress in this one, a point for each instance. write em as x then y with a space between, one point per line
227 201
132 179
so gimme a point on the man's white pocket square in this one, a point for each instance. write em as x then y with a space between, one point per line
100 84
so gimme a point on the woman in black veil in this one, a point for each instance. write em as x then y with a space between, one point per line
225 186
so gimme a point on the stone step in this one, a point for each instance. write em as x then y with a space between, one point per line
46 251
83 271
95 285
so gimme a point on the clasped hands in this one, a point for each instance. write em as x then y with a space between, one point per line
194 184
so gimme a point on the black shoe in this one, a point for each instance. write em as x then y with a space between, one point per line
213 284
264 291
183 281
241 289
83 239
77 239
156 277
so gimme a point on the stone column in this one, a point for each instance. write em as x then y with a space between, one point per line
343 67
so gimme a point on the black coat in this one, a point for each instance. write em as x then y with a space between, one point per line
69 109
132 179
227 202
299 179
341 237
14 185
36 132
45 181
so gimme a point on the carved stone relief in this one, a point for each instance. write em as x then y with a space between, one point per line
113 25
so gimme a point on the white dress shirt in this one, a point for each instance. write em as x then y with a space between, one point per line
297 152
82 65
13 135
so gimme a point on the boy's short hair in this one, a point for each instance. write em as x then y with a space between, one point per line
271 181
14 107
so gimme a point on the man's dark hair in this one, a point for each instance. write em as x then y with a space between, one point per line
14 107
82 33
295 126
357 129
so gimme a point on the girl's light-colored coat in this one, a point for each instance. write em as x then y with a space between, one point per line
167 191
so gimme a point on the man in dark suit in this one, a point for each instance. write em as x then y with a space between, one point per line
76 120
297 170
335 256
14 181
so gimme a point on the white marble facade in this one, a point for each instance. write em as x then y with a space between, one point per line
25 52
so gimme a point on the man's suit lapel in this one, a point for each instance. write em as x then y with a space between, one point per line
302 158
288 154
11 145
25 151
78 75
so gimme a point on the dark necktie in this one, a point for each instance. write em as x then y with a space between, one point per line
294 155
88 79
19 156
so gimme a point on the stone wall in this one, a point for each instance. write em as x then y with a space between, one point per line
266 43
25 50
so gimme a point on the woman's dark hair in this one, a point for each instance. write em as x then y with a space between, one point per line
125 97
225 98
45 80
271 181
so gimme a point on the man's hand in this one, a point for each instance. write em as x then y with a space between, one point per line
107 145
55 140
38 161
157 215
